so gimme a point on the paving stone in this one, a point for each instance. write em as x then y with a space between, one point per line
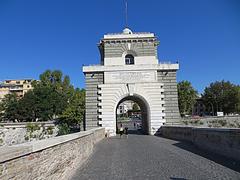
144 157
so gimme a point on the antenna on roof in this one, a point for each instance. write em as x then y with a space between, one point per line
126 13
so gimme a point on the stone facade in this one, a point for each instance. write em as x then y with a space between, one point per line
130 70
142 48
92 82
54 158
168 78
19 87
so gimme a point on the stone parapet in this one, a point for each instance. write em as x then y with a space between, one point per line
222 141
54 158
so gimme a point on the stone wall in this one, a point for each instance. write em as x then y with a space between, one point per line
140 48
54 158
92 81
223 141
17 133
213 121
168 78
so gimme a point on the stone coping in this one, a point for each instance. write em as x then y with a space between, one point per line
203 128
130 68
23 124
12 152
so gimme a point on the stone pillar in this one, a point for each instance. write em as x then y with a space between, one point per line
92 81
168 78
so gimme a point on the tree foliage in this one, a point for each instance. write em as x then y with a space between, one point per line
74 112
10 107
186 97
52 97
135 107
222 96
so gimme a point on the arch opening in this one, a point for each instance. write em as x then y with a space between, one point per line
133 112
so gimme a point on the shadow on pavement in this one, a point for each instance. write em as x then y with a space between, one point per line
136 132
224 161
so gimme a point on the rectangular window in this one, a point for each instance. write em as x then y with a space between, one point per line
129 61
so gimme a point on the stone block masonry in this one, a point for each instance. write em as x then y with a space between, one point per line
222 141
54 158
168 78
21 132
130 70
92 82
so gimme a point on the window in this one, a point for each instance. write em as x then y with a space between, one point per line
129 59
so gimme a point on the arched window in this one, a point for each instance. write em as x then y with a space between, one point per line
129 59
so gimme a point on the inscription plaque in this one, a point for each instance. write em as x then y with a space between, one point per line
130 76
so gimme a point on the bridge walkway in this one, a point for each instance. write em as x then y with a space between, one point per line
142 157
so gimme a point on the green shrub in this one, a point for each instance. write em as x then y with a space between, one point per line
31 127
50 130
232 125
26 138
63 129
222 122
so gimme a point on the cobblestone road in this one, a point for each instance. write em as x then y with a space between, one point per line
148 157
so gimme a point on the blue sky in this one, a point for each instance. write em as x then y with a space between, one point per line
203 35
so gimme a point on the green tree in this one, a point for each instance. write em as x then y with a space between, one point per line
135 107
10 107
27 107
186 97
51 94
74 112
52 97
238 104
222 96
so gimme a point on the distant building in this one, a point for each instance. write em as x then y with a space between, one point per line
124 107
19 87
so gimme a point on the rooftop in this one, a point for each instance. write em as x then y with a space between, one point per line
127 33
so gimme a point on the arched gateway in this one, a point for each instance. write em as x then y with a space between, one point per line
130 70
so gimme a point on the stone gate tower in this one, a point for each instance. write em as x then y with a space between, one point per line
130 70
